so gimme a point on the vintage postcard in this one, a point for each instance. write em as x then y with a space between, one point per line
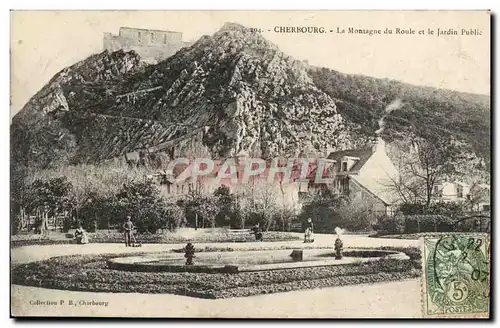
250 164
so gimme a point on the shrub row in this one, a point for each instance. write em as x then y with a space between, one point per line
147 238
411 224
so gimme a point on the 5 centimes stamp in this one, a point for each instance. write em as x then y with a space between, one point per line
456 276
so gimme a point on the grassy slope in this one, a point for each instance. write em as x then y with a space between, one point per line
362 99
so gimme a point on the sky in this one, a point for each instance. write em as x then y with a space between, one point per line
44 42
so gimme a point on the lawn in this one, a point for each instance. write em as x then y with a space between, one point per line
90 273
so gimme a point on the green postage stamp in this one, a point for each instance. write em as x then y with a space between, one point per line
456 276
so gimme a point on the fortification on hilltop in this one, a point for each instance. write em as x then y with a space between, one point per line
151 45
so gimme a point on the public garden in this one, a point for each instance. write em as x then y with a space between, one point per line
202 250
80 272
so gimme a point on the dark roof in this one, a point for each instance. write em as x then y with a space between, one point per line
362 153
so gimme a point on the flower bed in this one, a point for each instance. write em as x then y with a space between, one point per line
24 237
90 273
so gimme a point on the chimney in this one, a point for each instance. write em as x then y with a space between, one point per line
379 146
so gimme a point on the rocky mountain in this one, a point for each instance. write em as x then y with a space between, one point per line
228 93
41 133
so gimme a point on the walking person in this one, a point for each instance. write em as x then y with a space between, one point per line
129 227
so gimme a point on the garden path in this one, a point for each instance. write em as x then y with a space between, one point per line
399 299
41 252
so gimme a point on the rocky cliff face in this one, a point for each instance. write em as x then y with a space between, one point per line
235 88
228 93
40 133
249 95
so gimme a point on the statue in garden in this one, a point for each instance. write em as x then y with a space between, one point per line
189 253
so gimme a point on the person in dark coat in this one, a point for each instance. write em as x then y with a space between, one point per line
129 227
257 231
308 234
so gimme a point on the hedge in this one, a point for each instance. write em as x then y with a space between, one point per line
147 238
411 224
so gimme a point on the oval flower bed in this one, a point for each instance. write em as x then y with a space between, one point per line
90 273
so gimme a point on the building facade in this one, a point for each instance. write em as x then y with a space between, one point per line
476 195
366 174
151 45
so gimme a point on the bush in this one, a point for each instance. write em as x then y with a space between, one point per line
428 223
329 211
390 225
451 209
410 224
322 210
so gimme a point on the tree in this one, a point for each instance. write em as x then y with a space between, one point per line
202 209
477 194
423 163
50 197
265 203
322 207
21 195
226 205
243 206
284 217
356 214
143 202
174 216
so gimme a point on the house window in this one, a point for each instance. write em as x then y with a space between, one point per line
486 208
152 37
139 36
344 166
165 39
438 192
460 192
345 186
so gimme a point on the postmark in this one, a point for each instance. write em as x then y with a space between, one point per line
456 276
